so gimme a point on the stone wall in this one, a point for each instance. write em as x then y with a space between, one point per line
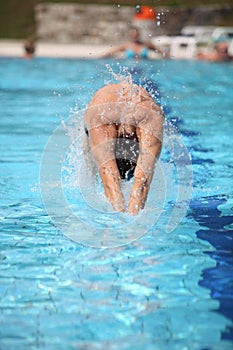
76 23
82 23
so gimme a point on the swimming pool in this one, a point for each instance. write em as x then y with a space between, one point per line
162 291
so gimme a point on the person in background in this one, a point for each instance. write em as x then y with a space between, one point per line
29 49
135 48
220 54
124 128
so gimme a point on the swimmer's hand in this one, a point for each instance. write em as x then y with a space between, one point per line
133 210
112 186
150 148
138 195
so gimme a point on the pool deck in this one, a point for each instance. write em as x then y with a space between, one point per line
15 48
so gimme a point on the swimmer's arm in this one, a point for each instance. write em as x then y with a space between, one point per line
205 56
152 47
102 142
150 148
114 51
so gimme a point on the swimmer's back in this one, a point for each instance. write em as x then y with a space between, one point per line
122 92
115 103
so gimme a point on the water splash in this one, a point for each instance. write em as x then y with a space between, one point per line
123 76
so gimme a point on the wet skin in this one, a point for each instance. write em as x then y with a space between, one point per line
124 109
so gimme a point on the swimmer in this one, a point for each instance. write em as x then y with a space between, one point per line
124 128
220 54
135 48
29 49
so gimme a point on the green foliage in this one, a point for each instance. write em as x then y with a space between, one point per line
17 18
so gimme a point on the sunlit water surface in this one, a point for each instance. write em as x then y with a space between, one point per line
161 291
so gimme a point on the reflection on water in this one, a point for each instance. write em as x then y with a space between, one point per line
149 288
163 291
218 233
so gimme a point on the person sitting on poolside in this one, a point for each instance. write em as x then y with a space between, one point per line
135 48
220 54
124 127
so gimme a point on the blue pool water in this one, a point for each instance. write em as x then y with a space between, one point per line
162 291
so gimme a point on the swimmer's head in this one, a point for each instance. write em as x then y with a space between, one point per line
222 47
134 34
